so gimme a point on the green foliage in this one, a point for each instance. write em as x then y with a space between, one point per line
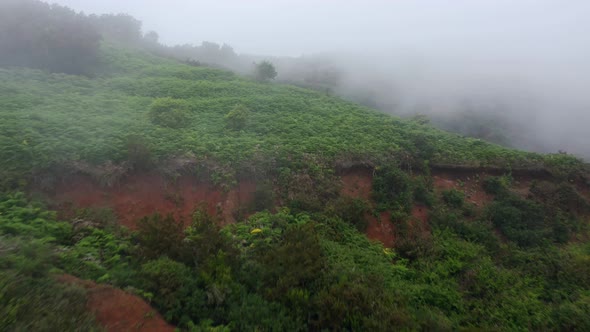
292 265
263 197
392 188
99 255
139 155
42 125
351 210
168 112
160 236
34 303
308 185
519 220
237 118
20 217
170 282
453 198
297 272
562 196
265 71
30 297
307 268
496 185
423 191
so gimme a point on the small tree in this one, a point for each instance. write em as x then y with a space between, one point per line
237 118
265 71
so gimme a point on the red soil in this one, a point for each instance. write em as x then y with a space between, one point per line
381 229
358 183
116 310
468 182
140 195
420 213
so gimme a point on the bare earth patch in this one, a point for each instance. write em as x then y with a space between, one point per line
116 310
140 195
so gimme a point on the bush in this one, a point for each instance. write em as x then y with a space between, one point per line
495 185
30 298
169 112
392 188
170 282
423 191
520 220
293 264
453 198
237 118
160 236
139 155
357 303
352 211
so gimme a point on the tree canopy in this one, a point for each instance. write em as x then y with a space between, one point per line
39 35
265 71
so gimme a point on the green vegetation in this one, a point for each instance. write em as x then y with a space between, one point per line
237 118
453 198
30 296
293 272
300 262
168 112
49 121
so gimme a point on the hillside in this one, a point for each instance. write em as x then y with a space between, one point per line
52 120
231 204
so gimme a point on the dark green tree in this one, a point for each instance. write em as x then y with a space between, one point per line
265 71
37 35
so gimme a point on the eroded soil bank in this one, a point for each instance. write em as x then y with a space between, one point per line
143 194
118 311
140 195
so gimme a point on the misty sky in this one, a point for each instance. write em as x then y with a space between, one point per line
289 27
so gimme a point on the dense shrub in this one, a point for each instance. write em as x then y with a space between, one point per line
562 196
168 112
160 236
139 154
352 210
392 188
292 266
520 220
308 185
453 198
496 185
423 191
171 284
237 118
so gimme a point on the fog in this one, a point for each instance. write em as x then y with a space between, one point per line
523 66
